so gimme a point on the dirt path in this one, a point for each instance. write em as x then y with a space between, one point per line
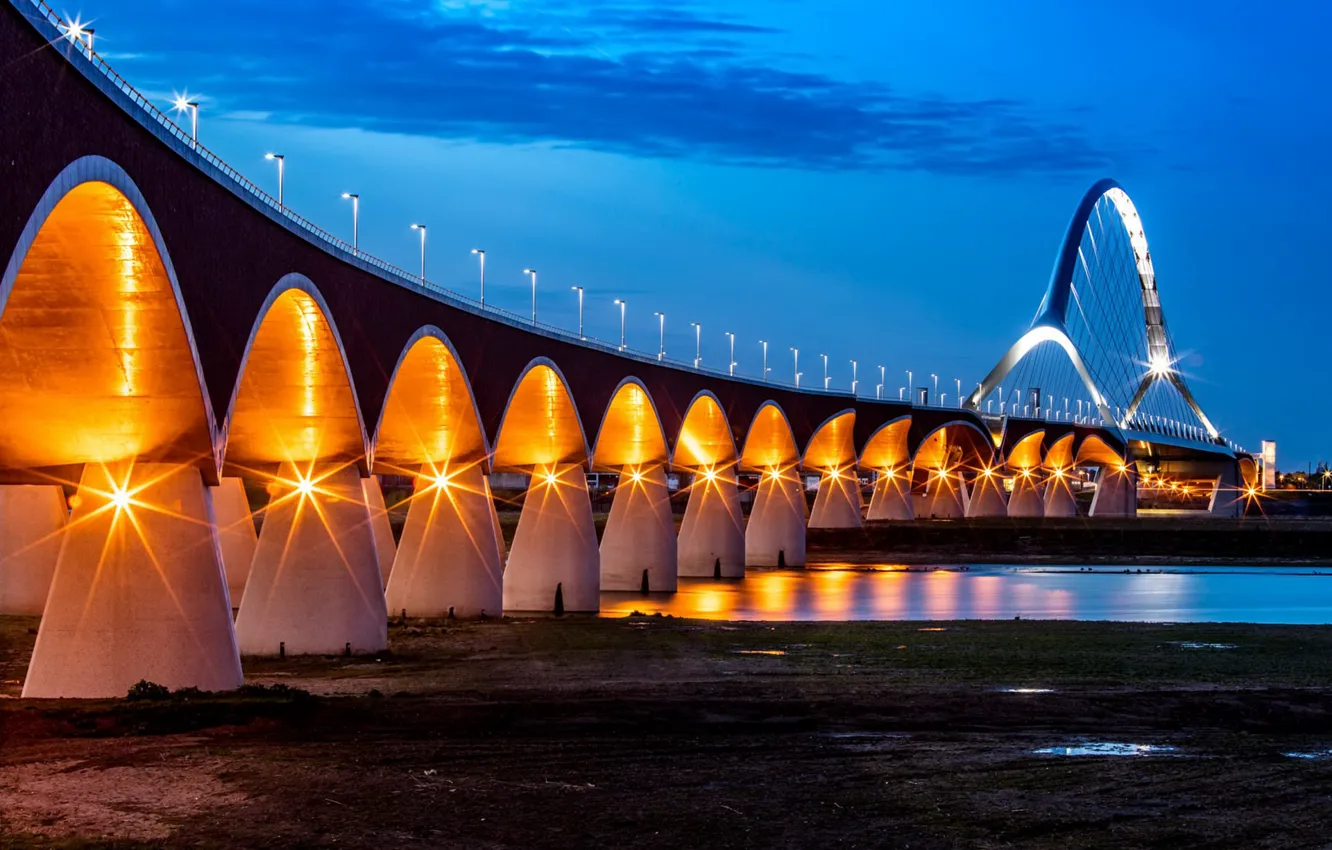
666 733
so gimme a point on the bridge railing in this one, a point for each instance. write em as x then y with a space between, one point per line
161 122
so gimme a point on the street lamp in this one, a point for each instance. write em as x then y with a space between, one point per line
854 381
731 337
481 255
282 174
883 381
356 218
825 371
661 335
795 353
620 301
764 343
532 273
911 385
422 228
579 290
184 104
698 343
959 391
936 386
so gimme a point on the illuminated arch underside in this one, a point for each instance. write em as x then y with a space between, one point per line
430 420
705 437
540 425
631 433
887 448
770 443
295 401
95 359
833 445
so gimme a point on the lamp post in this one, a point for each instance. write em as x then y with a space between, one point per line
282 175
698 343
661 335
620 301
422 228
356 218
532 274
731 337
883 381
481 255
854 380
911 386
795 353
764 343
959 391
936 385
579 290
184 104
825 371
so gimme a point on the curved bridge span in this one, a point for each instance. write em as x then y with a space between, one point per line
171 336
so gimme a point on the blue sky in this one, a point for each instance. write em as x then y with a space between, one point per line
881 181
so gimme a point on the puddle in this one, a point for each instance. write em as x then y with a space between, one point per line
1190 644
1316 755
1026 690
1107 748
932 629
759 651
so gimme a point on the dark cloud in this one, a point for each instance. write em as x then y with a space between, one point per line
645 82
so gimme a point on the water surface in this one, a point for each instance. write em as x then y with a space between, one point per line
1186 594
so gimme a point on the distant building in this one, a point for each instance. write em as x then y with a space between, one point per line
1269 464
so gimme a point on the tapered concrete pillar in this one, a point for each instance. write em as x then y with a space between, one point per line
640 534
32 518
1027 498
138 591
1059 500
1225 499
448 559
713 531
987 497
236 537
892 498
1116 493
944 498
385 549
837 504
495 522
776 530
555 546
314 586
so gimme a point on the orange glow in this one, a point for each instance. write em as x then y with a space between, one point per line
295 403
1027 451
769 443
705 437
631 433
429 417
833 445
541 426
1060 454
1094 451
887 448
75 501
96 363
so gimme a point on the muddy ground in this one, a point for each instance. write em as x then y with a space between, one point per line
653 732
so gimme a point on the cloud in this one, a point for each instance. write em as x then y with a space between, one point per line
663 81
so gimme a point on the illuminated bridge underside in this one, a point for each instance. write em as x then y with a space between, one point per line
143 357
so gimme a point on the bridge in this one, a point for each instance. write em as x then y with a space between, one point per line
170 334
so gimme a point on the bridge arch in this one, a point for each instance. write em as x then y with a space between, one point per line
631 433
887 447
833 445
294 400
541 425
117 303
770 441
429 420
706 440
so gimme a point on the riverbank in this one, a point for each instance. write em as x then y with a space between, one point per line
660 732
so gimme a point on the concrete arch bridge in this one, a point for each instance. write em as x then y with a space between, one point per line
168 332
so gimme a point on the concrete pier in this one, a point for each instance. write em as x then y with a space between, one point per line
315 586
555 546
838 502
32 519
385 547
1028 496
1116 493
712 535
1059 499
138 591
892 497
987 497
776 531
236 537
449 558
639 538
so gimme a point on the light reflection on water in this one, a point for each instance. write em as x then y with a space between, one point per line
1193 594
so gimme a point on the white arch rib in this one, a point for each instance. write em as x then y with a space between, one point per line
1020 349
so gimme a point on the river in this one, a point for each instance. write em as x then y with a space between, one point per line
990 592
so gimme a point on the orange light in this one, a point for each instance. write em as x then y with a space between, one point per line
636 476
273 488
890 473
774 474
987 472
74 501
709 474
551 479
305 486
